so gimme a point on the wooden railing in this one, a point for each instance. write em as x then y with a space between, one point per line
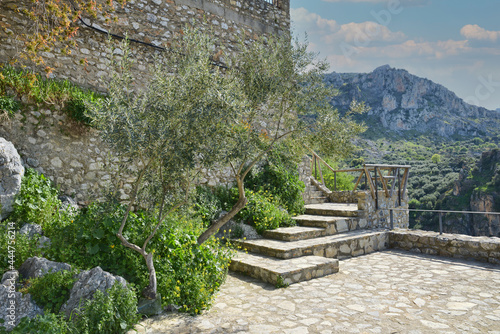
390 178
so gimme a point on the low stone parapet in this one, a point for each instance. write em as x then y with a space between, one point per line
486 249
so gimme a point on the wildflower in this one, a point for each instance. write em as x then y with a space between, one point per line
112 246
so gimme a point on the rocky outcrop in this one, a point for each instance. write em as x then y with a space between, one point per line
87 283
39 266
11 173
400 101
480 188
14 306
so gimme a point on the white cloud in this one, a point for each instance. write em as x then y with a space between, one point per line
330 32
473 31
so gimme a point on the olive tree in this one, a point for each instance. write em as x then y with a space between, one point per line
285 99
195 113
166 128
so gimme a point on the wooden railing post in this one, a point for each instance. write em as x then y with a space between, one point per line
335 181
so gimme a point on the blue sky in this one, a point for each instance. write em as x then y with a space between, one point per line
455 43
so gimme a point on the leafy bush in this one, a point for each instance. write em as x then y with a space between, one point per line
25 248
48 91
108 313
91 240
52 290
41 324
189 274
263 210
279 175
8 104
37 202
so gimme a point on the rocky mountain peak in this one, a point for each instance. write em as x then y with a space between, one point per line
401 101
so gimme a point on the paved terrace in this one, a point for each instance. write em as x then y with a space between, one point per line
384 292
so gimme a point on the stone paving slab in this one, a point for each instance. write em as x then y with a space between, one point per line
384 292
291 271
354 243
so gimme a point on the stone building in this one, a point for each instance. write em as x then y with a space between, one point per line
74 157
152 24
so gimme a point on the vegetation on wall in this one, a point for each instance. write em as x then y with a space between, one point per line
18 87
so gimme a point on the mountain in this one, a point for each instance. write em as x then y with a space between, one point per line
402 102
498 109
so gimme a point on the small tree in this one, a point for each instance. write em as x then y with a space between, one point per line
190 113
285 99
178 120
436 158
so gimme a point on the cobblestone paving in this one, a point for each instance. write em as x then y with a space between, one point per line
384 292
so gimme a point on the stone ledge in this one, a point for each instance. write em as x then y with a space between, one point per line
485 249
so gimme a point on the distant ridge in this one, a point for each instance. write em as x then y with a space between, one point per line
401 101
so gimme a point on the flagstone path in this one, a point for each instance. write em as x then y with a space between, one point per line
384 292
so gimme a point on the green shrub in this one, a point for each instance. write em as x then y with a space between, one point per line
48 91
279 175
42 324
108 313
37 202
24 247
189 274
8 104
264 211
52 290
91 241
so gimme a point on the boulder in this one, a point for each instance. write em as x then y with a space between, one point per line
11 173
150 307
14 306
31 230
10 278
68 204
39 266
87 283
44 242
238 230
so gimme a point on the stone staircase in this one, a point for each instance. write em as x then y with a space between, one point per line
326 233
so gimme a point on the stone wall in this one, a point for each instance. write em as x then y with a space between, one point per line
451 245
381 217
150 21
343 197
74 157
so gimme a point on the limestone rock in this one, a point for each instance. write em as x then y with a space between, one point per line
87 283
14 306
238 230
10 277
11 173
403 102
31 230
68 204
39 266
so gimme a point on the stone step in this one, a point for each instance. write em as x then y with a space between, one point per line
333 209
317 200
294 233
339 246
278 271
331 224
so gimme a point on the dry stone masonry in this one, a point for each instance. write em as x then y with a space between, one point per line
155 22
73 156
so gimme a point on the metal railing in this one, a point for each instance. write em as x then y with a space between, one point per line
441 212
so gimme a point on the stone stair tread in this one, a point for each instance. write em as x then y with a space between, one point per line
284 246
282 266
294 233
290 270
333 206
318 218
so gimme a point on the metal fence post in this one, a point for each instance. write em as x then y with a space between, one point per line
440 223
